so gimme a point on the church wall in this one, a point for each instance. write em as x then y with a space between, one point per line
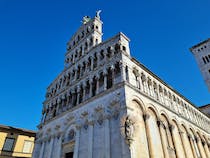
105 104
168 134
96 122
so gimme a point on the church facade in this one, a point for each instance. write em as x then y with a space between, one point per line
106 104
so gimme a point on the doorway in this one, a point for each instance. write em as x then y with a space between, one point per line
69 155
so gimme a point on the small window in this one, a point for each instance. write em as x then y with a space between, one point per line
27 147
8 144
124 48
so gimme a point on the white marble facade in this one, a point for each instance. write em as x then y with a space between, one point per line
105 104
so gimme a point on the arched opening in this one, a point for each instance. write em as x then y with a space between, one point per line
109 78
102 54
80 95
95 60
74 97
109 53
101 82
87 89
78 72
94 86
116 48
117 72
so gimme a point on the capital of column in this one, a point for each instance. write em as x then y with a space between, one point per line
78 127
146 117
189 136
161 123
105 72
171 127
181 132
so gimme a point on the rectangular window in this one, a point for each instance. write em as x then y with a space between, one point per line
8 144
27 147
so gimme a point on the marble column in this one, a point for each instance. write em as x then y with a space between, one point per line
90 140
107 139
140 83
84 93
192 146
186 144
170 147
97 85
177 141
59 145
77 139
122 70
78 95
163 136
139 147
41 154
200 147
105 81
206 149
50 147
196 146
154 141
36 150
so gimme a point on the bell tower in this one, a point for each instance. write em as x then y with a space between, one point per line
87 36
201 52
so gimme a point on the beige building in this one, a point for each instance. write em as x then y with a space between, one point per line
16 142
106 104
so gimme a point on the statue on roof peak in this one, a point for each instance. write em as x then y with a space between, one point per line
98 13
85 19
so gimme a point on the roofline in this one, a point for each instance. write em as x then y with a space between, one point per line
199 44
167 85
204 106
18 130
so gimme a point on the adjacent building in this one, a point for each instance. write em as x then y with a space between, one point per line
201 52
16 142
205 109
106 104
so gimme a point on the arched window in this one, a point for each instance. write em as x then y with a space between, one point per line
109 78
116 48
101 81
94 86
102 54
71 135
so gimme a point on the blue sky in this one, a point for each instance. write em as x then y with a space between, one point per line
34 33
